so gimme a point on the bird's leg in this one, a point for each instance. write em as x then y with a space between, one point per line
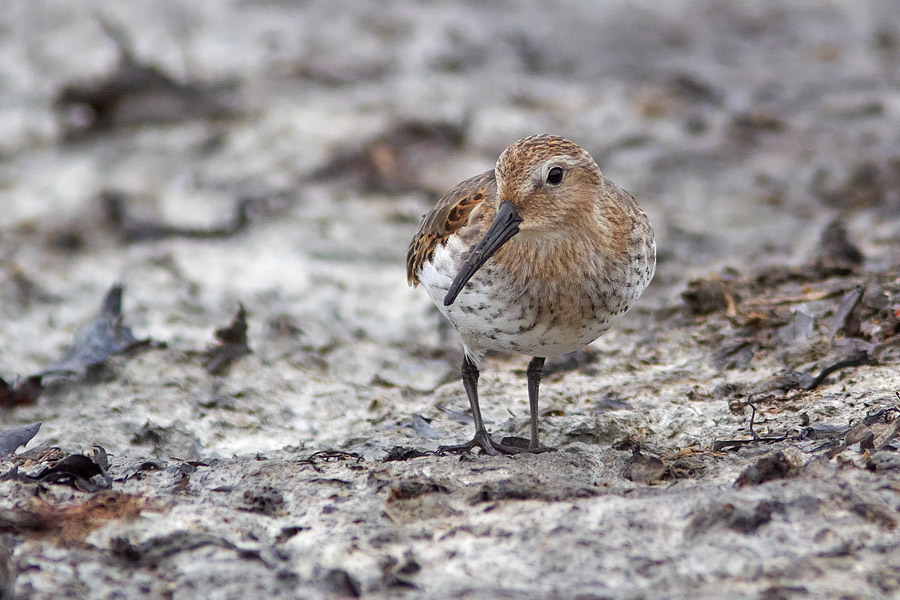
481 439
534 371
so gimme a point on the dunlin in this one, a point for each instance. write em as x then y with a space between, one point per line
539 255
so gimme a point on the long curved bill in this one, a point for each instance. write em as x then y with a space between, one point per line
504 227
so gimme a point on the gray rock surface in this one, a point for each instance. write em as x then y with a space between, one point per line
279 155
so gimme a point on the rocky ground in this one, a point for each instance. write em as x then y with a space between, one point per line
255 410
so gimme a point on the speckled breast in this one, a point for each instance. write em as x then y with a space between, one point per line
507 312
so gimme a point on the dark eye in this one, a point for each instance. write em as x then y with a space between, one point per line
554 175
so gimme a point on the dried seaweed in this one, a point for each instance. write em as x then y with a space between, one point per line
404 453
104 336
11 439
837 253
423 429
857 359
767 468
22 393
75 470
794 380
707 296
152 552
130 230
740 519
136 93
846 316
393 161
329 456
644 469
231 344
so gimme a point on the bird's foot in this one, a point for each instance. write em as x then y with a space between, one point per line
481 440
509 445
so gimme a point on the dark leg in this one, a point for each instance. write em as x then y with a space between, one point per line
482 439
535 370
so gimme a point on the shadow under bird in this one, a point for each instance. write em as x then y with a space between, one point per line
539 255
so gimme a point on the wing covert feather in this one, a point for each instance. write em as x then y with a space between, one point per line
449 215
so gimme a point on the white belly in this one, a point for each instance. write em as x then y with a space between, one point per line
492 313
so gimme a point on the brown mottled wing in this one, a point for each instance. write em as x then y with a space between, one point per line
451 213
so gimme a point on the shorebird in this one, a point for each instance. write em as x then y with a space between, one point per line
539 255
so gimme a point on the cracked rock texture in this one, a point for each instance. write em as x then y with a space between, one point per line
279 156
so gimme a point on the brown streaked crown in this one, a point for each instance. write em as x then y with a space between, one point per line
516 162
522 171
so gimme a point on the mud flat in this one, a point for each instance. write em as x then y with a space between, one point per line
255 411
